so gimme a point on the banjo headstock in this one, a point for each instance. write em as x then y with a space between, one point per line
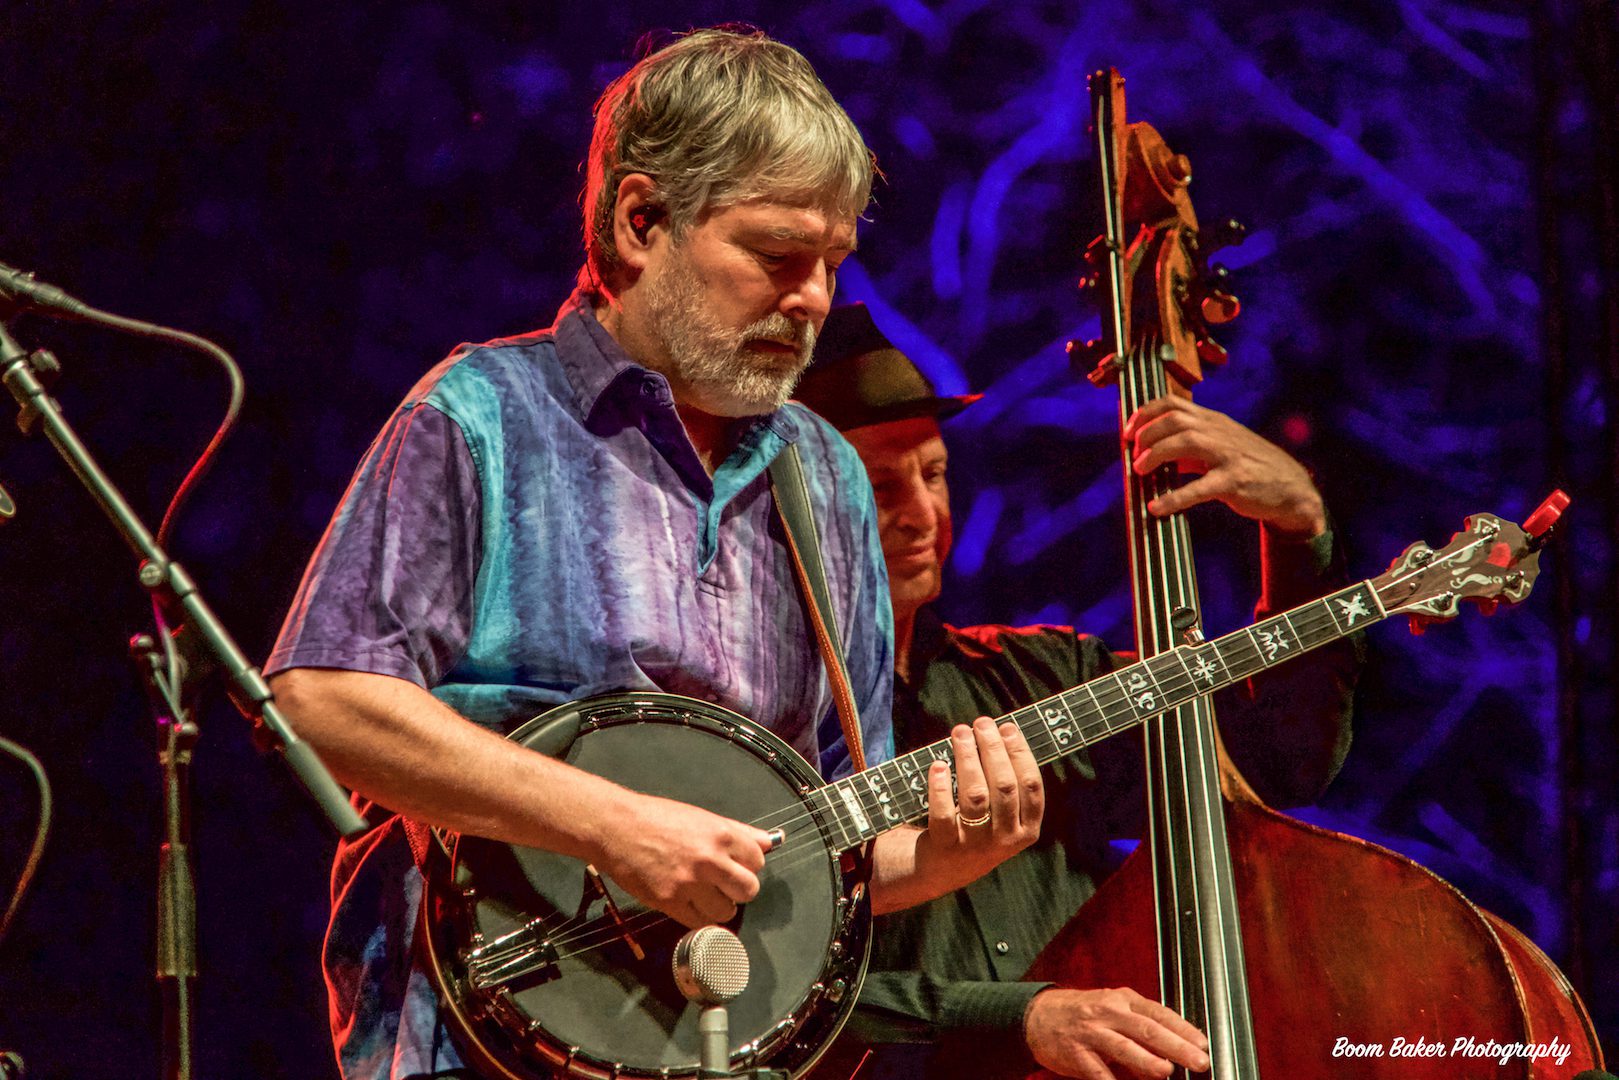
1488 563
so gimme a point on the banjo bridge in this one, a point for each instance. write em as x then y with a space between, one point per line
523 952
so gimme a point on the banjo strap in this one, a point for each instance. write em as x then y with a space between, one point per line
804 544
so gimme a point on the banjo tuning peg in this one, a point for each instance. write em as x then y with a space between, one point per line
1096 254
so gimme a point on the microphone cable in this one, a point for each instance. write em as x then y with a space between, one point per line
41 831
21 291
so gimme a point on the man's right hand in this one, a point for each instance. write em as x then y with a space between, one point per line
690 864
1109 1034
399 745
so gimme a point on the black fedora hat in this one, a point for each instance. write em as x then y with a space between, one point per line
858 377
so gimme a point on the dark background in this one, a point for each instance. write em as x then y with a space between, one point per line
341 193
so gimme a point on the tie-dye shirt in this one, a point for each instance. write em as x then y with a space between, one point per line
533 526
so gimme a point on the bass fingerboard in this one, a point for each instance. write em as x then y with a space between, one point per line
895 793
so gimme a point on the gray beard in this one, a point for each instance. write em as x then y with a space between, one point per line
727 378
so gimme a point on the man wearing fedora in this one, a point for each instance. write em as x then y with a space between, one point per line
943 997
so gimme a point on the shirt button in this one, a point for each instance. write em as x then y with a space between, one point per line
1002 947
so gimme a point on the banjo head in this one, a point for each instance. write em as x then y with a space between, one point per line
539 976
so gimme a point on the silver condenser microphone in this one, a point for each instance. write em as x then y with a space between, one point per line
711 968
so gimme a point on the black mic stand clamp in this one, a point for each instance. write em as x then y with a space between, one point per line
45 366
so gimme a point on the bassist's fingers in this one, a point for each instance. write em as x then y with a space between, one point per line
1204 489
1172 1020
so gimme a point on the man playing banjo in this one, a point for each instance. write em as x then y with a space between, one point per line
585 509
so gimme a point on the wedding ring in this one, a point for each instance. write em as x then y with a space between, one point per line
973 822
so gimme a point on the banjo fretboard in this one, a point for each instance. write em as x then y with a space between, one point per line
895 793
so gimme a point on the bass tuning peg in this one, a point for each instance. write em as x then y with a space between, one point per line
1216 302
1095 359
1219 306
1227 233
1211 352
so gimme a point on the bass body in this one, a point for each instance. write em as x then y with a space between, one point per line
1301 952
1322 912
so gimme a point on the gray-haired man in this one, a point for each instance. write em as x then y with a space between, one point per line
584 510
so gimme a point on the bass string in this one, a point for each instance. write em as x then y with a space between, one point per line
1180 760
1166 547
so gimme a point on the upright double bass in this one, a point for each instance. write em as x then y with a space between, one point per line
1300 951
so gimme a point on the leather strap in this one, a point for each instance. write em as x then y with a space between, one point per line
804 544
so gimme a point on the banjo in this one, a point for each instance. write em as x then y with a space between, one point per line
545 969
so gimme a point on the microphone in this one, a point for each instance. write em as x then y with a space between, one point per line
710 968
20 290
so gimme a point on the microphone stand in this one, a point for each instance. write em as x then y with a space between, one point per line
174 590
176 881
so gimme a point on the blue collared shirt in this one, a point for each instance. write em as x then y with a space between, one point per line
531 527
